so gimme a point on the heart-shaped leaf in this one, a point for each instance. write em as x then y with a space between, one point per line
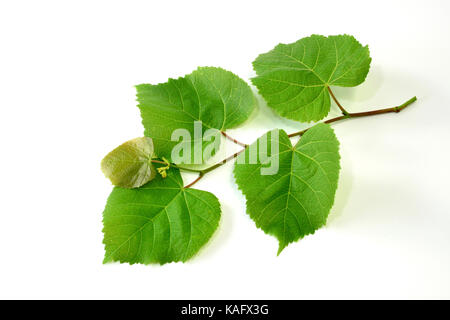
214 96
160 222
294 78
296 200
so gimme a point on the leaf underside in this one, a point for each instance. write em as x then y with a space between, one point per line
297 200
160 222
129 165
294 78
218 98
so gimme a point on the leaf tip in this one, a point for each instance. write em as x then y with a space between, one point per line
281 247
106 259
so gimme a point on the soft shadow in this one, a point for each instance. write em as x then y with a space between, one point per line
343 192
219 238
364 91
255 112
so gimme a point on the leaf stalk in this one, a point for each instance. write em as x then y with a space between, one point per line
344 112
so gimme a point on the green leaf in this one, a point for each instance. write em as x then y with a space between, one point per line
295 201
160 222
129 165
294 78
218 98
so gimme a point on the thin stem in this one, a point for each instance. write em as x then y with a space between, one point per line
177 166
233 140
157 161
219 164
344 112
224 161
187 169
362 114
195 181
203 172
382 111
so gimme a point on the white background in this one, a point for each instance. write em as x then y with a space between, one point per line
67 71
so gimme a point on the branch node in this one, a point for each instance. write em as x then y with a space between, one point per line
344 112
234 140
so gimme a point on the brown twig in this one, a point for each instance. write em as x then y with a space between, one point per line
203 172
233 140
362 114
195 181
344 112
